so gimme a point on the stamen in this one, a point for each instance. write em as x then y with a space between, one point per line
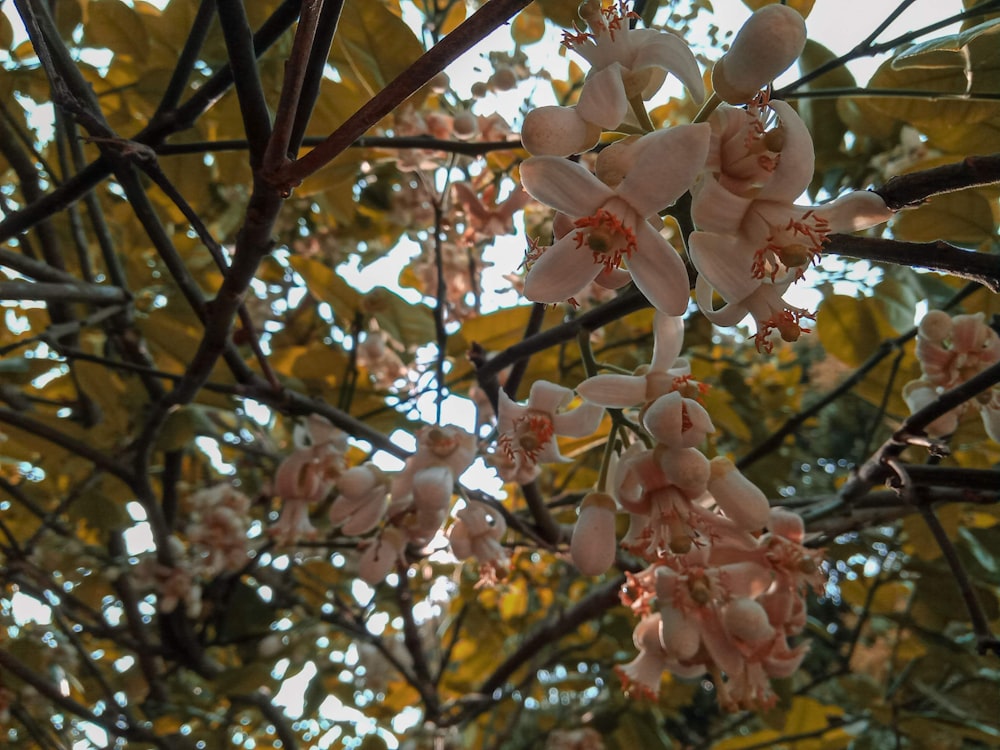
608 237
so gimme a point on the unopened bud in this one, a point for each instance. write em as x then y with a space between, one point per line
769 42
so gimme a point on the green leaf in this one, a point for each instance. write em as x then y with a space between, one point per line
947 51
182 426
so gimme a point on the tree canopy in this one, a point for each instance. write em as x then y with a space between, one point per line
672 418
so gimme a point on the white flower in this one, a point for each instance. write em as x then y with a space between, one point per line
611 223
527 431
752 242
626 64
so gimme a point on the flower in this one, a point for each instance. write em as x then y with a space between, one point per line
626 64
752 242
361 503
477 532
665 372
486 217
611 223
527 431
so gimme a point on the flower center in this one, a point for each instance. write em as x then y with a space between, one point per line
607 236
786 323
531 434
793 246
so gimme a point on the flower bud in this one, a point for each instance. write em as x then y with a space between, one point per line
557 131
593 545
687 468
935 326
747 621
739 498
769 42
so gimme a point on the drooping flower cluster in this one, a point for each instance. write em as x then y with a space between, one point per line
720 596
950 351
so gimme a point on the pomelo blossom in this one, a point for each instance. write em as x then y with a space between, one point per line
627 65
477 532
361 501
611 222
528 431
666 372
752 241
950 351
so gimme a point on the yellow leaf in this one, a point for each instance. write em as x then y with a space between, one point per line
115 26
528 26
964 217
326 286
802 6
372 45
851 329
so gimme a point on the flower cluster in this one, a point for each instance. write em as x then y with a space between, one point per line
950 351
720 596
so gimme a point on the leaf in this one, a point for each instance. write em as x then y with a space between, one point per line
852 329
372 45
115 26
182 426
409 324
6 32
326 286
964 217
528 26
947 51
804 7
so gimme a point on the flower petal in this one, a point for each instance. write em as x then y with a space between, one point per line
662 49
580 422
603 100
857 210
667 163
548 397
798 160
616 391
724 261
562 271
729 314
715 209
564 185
668 340
659 272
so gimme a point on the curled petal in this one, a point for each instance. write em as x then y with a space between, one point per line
729 314
798 160
656 49
739 498
603 100
677 422
668 340
724 261
856 210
